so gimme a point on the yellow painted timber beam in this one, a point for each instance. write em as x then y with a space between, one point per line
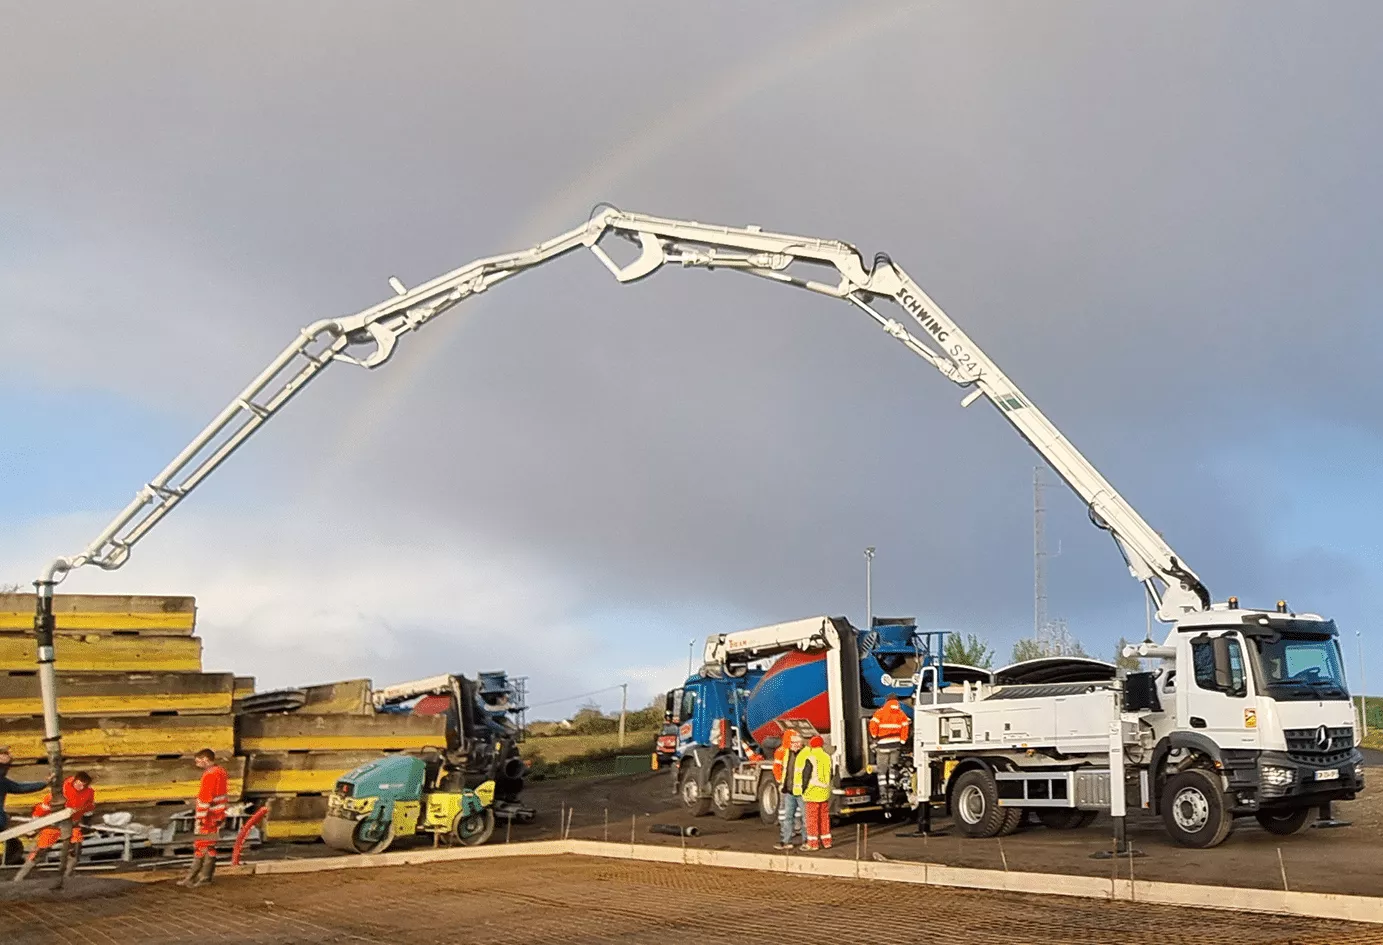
97 652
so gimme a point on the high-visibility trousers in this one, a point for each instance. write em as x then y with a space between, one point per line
819 823
205 841
49 836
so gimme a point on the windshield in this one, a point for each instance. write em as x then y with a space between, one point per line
1302 668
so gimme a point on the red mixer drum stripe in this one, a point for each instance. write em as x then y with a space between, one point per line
793 687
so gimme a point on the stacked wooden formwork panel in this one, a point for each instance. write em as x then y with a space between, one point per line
136 706
134 701
294 758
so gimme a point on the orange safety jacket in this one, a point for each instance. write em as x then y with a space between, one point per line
780 763
889 725
78 802
212 797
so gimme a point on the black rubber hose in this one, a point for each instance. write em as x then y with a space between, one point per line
674 830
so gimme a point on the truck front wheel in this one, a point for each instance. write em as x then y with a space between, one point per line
975 805
696 802
1194 810
1283 822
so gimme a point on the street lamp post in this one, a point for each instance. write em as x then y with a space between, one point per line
869 588
1363 704
690 645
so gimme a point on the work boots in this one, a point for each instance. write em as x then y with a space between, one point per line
26 869
193 872
203 869
73 856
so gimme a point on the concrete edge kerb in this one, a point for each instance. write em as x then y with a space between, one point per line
1230 898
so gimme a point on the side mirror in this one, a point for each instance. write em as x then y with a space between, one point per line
1225 679
670 705
1219 647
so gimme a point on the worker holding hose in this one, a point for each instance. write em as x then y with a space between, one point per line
212 797
791 815
12 848
80 798
813 783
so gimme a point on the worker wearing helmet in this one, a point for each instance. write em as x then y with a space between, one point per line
812 782
889 729
791 813
80 798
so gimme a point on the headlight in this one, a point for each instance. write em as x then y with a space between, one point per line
1358 772
1278 777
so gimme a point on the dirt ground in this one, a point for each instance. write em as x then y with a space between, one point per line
586 900
1346 860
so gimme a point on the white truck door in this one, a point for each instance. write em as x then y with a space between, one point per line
1216 692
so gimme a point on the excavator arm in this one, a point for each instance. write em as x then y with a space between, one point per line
368 339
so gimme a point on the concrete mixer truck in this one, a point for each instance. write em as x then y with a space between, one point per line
827 677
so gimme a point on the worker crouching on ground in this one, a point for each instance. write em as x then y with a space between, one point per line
791 814
889 729
80 798
812 781
12 850
212 797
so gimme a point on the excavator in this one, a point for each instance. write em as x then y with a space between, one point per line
822 266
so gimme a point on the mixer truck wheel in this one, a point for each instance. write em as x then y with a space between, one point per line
768 801
975 805
696 801
723 795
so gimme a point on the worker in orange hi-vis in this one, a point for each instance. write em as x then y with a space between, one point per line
212 797
80 797
889 728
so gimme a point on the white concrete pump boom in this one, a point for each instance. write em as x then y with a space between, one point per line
367 339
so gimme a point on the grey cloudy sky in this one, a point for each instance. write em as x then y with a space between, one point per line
1162 221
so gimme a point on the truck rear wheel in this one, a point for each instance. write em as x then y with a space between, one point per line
723 794
1194 810
1283 822
694 800
975 805
768 801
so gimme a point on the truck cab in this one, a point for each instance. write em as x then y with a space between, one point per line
711 726
1260 697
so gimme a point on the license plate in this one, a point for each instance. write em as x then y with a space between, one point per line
1329 775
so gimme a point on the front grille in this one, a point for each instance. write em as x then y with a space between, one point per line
1304 745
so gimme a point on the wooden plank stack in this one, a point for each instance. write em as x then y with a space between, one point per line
134 702
136 706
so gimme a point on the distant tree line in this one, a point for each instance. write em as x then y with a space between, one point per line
972 650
